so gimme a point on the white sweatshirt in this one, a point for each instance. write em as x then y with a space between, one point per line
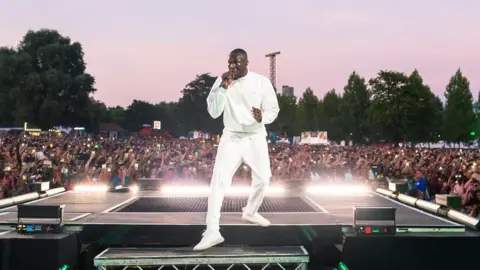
253 90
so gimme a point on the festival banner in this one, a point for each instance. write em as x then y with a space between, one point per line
314 137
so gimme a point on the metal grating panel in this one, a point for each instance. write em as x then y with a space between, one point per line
230 205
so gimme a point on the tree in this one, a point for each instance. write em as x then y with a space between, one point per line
436 123
308 111
477 115
192 107
477 105
330 114
98 113
13 67
387 111
286 120
167 113
47 82
354 110
459 116
422 111
141 113
117 115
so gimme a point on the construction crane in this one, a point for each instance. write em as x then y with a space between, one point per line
273 68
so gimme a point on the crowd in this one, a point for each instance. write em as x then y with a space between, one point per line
65 161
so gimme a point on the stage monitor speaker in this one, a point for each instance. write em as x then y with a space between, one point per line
39 186
374 221
449 200
39 251
399 187
40 218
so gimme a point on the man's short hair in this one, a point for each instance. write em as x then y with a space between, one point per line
240 52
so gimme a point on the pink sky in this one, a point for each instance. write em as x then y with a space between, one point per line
150 49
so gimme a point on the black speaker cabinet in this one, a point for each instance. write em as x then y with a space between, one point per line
38 251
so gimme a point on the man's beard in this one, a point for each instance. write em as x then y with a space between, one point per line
236 74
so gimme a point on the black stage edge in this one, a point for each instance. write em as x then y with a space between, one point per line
38 251
412 251
401 251
189 235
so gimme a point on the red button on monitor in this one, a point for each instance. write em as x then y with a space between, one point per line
368 229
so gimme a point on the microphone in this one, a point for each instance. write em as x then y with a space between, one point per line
224 80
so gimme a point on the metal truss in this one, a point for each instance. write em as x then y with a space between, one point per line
291 266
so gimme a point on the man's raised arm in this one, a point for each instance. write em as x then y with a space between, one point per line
216 99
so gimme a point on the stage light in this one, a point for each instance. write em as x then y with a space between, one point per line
205 190
428 206
133 188
276 190
25 197
342 266
245 190
385 192
338 190
186 190
6 202
92 188
407 199
464 219
123 189
54 191
119 188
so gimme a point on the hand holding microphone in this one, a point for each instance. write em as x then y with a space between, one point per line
257 114
227 79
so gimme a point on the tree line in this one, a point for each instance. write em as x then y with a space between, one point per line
43 82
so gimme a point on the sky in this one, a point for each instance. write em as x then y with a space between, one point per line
150 49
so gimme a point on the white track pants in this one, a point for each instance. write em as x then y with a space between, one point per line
231 153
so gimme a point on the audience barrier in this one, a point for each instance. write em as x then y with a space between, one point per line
29 197
433 208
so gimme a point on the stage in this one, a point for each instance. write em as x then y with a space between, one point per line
154 208
154 219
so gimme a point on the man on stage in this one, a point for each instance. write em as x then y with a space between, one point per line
248 102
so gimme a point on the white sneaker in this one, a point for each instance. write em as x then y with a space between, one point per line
255 219
209 239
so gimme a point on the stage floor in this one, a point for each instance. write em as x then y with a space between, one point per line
107 208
